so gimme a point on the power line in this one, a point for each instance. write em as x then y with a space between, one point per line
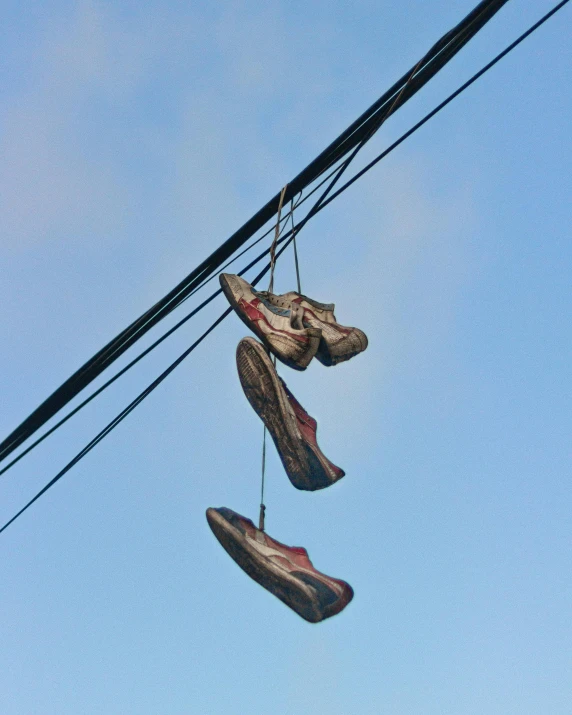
190 315
321 203
149 389
341 147
316 209
169 332
120 417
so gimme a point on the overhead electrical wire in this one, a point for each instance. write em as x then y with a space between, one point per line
364 126
175 327
339 170
147 391
322 202
169 332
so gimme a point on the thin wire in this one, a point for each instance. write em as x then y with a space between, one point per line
132 405
109 382
144 394
258 240
440 53
137 359
322 206
262 505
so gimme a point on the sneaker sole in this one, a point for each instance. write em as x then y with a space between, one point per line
266 395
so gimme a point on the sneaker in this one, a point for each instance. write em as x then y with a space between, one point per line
338 343
277 323
291 427
285 571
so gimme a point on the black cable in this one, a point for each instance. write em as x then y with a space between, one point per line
132 405
147 391
169 332
338 171
145 352
322 202
433 61
109 382
120 417
287 235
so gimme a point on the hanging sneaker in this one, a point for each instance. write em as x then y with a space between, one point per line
338 343
285 571
277 323
291 427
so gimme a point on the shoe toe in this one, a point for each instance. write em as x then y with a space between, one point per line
362 339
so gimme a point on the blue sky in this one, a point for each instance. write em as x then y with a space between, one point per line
134 139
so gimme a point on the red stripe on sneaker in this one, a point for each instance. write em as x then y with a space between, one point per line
255 315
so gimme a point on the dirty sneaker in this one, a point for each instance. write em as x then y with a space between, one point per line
277 323
291 427
338 343
285 571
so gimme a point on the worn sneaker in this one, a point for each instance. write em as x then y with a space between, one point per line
338 343
277 323
291 427
285 571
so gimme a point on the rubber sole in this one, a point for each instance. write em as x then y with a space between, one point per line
264 391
